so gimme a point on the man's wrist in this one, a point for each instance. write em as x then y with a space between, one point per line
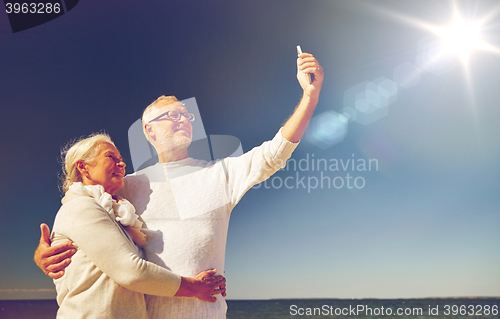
187 288
308 99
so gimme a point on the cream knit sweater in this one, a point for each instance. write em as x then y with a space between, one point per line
106 278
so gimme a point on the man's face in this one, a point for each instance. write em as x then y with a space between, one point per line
170 134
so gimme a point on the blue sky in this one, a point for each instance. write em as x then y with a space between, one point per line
424 224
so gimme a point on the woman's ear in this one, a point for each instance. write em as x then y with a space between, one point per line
81 166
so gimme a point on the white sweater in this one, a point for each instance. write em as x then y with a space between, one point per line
186 207
106 278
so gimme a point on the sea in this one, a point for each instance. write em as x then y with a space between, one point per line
432 308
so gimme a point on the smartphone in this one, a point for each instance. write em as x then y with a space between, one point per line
299 52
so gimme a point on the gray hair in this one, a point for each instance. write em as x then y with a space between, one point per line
85 149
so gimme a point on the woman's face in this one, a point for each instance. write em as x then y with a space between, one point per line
107 169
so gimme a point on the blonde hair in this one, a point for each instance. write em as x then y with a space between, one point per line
85 149
153 106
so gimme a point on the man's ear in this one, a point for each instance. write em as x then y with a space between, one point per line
150 131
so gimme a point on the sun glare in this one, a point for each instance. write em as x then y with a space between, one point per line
467 30
461 38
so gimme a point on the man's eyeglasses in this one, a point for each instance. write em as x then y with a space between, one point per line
174 116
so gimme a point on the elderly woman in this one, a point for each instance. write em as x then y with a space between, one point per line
107 277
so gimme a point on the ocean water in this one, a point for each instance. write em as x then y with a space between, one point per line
435 308
365 308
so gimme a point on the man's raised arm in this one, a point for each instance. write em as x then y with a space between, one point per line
296 125
52 260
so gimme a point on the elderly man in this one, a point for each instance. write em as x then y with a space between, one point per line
186 203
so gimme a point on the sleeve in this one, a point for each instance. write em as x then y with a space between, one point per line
257 165
93 231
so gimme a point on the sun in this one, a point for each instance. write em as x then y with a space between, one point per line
462 38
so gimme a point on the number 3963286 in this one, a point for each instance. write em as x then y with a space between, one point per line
33 7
